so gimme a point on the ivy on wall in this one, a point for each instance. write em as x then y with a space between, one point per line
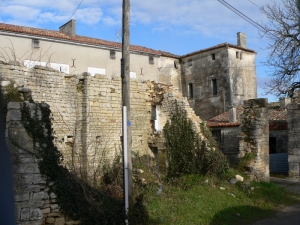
77 199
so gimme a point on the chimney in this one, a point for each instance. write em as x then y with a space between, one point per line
241 40
232 115
69 28
284 102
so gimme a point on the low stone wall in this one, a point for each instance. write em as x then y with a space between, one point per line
254 138
293 120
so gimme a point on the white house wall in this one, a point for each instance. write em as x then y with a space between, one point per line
81 57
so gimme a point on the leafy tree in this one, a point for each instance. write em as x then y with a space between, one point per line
283 32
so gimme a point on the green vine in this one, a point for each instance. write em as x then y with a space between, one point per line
77 199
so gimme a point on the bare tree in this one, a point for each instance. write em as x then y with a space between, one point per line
283 32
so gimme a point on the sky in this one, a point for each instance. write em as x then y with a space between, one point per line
176 26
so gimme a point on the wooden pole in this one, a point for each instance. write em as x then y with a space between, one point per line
125 74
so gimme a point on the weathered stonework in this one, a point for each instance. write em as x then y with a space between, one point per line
254 138
34 204
87 124
293 115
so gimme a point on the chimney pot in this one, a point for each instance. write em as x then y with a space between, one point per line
241 40
69 28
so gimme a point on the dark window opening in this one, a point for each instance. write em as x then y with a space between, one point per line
112 54
151 60
272 145
214 87
213 56
190 90
217 135
190 62
237 55
35 43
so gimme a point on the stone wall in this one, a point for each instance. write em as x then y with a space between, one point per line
229 142
254 138
293 120
87 126
34 204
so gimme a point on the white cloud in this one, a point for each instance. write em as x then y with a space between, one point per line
110 21
88 15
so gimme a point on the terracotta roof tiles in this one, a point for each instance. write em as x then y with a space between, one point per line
277 119
95 41
77 38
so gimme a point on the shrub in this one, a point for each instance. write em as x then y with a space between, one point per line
186 152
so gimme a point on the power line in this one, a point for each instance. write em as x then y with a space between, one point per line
242 15
254 4
76 9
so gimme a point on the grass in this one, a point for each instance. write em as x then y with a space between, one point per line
199 200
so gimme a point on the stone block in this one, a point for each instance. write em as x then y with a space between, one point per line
5 83
59 221
36 214
25 214
38 196
38 179
29 168
50 220
54 206
294 158
46 210
21 197
13 115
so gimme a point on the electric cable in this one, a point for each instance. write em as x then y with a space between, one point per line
242 15
76 9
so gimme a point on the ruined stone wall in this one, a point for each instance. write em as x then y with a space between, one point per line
293 120
87 109
254 138
34 204
87 126
229 142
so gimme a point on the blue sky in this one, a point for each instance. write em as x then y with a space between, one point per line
176 26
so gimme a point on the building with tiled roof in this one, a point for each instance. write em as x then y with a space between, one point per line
226 128
213 79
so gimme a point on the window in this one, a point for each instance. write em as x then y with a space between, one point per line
35 43
190 90
241 55
213 56
214 87
190 62
151 60
237 55
272 145
112 54
217 135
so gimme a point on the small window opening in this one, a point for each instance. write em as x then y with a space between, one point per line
151 60
35 43
112 54
217 135
190 62
237 55
272 145
190 90
213 56
214 87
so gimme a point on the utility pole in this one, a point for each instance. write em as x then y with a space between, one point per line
126 123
